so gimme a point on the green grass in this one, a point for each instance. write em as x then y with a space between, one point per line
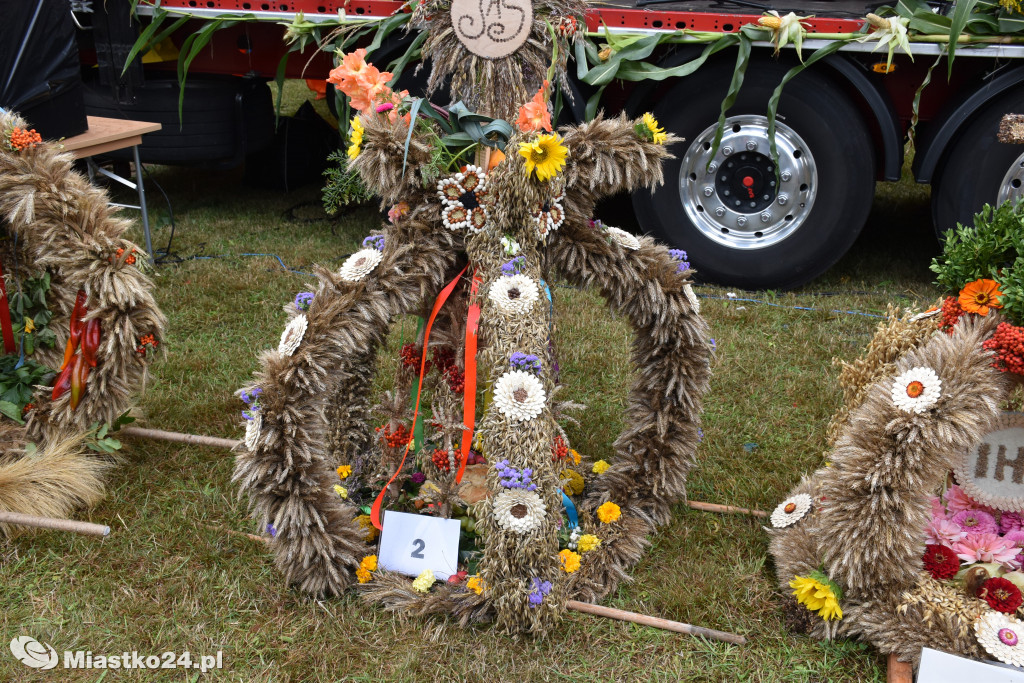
165 581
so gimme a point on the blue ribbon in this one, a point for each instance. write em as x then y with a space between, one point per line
570 509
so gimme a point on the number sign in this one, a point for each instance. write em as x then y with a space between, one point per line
992 472
492 28
410 544
942 667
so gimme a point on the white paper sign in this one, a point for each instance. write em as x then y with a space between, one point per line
410 544
942 667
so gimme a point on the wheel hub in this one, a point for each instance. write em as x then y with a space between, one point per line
737 197
1012 187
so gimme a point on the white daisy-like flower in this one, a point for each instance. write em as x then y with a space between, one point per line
519 395
292 335
1000 635
252 430
518 510
462 200
791 510
514 294
624 239
510 245
692 298
916 390
360 264
549 216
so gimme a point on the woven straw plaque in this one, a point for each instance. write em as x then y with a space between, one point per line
992 472
492 28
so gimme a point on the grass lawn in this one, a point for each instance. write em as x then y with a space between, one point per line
165 580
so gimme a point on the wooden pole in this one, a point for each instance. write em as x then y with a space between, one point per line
656 622
240 534
77 527
714 507
898 672
178 437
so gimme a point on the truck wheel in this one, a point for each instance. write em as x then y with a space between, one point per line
739 223
978 169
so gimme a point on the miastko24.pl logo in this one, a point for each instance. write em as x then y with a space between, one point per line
42 656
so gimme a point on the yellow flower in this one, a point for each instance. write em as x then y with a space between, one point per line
30 325
570 561
588 542
344 471
363 575
605 54
341 491
545 156
575 455
424 581
608 512
657 133
355 137
817 596
370 531
600 467
476 584
573 482
369 563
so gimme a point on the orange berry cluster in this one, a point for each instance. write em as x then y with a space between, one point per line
131 257
146 343
1008 345
559 449
396 439
440 459
23 139
951 313
28 407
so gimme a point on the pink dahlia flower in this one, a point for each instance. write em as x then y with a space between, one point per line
1011 521
976 522
942 531
986 547
957 500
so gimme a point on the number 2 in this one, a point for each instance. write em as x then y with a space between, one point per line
418 546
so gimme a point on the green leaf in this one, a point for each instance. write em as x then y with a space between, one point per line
12 411
604 72
742 61
645 71
386 27
411 53
279 81
961 11
591 109
416 104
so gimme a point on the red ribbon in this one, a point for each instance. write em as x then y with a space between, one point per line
469 391
441 298
5 318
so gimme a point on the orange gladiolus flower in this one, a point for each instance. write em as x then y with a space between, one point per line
534 115
979 296
362 82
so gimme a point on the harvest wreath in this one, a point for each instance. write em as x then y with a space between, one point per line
911 535
79 327
542 523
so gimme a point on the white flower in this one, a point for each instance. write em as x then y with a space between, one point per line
424 581
519 395
252 430
359 265
549 216
692 298
916 390
791 510
1000 635
510 245
514 294
625 240
518 510
461 200
292 335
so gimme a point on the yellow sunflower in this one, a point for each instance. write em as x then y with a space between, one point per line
821 596
355 137
655 133
545 156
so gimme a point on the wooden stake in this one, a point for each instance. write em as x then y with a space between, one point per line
178 437
77 527
898 672
656 622
251 537
714 507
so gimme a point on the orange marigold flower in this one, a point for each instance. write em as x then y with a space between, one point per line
534 115
979 296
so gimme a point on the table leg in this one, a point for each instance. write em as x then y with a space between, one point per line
142 203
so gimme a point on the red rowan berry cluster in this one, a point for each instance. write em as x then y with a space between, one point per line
951 313
1008 345
396 439
441 460
23 139
559 449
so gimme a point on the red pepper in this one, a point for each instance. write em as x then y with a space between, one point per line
63 383
79 373
91 341
69 353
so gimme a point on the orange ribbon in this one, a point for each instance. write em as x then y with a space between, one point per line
469 388
441 298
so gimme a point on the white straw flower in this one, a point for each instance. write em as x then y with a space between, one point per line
791 510
514 294
518 510
252 430
292 335
1000 635
519 395
692 298
916 390
360 264
625 239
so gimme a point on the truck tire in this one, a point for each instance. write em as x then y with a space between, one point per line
978 169
738 227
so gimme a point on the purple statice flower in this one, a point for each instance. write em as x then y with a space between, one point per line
712 342
596 224
418 478
680 255
374 241
540 589
513 267
303 300
700 434
513 478
252 399
271 530
525 361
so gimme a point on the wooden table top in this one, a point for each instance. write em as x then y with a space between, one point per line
106 135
